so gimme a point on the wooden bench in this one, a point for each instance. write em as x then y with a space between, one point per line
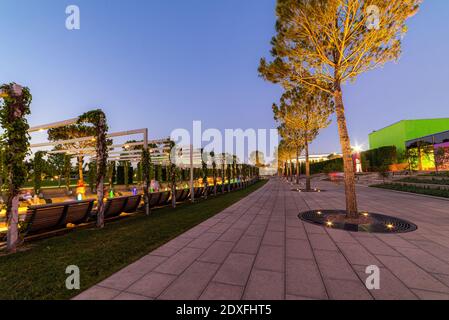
50 217
132 204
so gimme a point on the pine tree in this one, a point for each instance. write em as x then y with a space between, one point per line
324 43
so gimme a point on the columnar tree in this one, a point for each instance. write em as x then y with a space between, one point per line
56 161
214 170
204 160
38 164
97 119
13 111
302 114
324 43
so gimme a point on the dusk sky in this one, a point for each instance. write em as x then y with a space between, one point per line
163 63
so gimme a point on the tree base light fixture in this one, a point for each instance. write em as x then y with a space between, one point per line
368 222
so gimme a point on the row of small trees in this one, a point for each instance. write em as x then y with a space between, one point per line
320 45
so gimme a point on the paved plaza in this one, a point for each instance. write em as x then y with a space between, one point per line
259 249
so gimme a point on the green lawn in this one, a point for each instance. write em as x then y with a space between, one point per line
414 189
39 273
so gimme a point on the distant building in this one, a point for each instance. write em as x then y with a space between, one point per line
399 133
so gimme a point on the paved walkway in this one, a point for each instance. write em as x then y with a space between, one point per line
259 249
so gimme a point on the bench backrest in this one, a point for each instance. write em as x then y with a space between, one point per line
154 198
132 204
165 196
78 211
114 207
45 217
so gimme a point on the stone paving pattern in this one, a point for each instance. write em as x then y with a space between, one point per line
258 249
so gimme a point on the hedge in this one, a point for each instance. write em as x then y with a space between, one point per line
376 159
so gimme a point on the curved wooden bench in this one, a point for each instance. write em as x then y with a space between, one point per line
78 211
199 192
114 207
182 195
45 218
154 198
164 198
132 204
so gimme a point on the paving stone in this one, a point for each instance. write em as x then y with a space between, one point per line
236 269
221 291
303 279
299 249
265 285
248 244
274 238
127 276
270 258
297 233
322 242
217 252
152 285
191 283
356 254
333 265
180 261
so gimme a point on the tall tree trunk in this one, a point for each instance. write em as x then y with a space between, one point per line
351 197
298 173
291 169
307 166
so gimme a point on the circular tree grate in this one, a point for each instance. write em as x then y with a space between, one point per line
305 190
378 223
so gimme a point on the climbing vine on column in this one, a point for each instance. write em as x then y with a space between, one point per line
13 111
97 119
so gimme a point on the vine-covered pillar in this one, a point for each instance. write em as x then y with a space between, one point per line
14 109
98 119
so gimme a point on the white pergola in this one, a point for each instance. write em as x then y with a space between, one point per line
190 157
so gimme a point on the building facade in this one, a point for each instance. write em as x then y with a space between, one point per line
399 133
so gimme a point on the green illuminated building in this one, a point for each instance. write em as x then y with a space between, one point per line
400 132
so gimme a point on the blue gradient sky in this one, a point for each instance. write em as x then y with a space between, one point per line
163 63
